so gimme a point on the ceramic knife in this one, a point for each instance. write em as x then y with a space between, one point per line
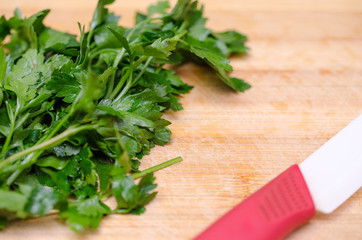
322 182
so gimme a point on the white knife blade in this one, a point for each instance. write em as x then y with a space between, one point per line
334 172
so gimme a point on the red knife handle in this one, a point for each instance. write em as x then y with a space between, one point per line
270 213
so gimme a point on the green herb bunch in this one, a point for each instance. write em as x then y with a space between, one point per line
76 116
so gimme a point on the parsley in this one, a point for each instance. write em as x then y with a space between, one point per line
77 116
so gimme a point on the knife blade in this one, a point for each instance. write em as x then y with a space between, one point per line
321 182
334 172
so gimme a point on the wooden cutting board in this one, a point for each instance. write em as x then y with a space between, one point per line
305 66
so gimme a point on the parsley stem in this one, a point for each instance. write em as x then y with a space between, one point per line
1 95
22 119
115 64
183 42
13 176
128 85
12 117
148 170
8 139
47 144
35 121
142 71
119 85
33 156
131 82
105 50
57 127
125 77
157 167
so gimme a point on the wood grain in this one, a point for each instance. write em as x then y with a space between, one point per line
305 66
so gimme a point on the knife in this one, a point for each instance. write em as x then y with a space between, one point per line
321 182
